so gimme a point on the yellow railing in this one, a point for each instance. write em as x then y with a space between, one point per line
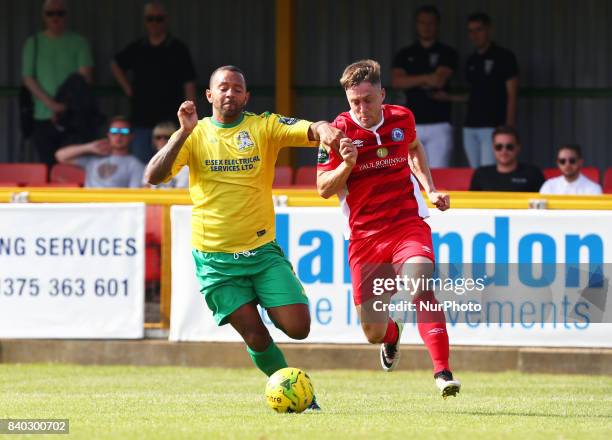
289 196
300 197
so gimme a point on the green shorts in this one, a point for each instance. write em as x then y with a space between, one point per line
228 281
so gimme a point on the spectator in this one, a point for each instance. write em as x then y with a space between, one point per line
492 73
48 59
571 181
161 133
163 76
508 174
422 70
107 162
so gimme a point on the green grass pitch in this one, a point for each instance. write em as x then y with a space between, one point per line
204 403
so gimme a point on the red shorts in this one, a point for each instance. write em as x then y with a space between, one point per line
393 247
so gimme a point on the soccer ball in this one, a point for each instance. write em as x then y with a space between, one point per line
289 390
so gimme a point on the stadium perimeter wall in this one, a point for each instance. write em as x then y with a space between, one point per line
307 356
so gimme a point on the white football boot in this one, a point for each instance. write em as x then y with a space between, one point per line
446 384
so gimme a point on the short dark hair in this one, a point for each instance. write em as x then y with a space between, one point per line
573 147
229 68
506 129
360 71
120 118
427 9
481 17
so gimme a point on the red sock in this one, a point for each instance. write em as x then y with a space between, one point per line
392 333
432 328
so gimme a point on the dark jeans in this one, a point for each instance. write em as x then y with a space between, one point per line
46 140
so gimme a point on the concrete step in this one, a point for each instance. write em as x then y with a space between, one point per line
306 356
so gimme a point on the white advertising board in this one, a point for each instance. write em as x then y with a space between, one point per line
72 271
312 239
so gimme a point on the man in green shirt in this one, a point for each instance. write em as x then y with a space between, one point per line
49 57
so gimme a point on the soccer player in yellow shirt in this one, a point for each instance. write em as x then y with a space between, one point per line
231 157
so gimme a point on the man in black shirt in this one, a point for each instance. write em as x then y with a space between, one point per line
163 76
421 70
508 174
492 73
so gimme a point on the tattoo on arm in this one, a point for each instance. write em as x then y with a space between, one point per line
160 165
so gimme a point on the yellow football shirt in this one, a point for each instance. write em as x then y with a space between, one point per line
231 169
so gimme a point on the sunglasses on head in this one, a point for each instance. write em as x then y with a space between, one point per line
159 137
155 18
509 147
571 161
115 130
55 13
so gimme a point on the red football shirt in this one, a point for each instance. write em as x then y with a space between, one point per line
381 191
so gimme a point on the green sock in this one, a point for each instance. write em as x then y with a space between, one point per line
270 360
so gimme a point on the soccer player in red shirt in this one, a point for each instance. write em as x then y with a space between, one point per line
374 175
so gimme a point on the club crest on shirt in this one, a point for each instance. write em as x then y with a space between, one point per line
382 152
287 121
488 66
244 141
433 59
323 155
397 135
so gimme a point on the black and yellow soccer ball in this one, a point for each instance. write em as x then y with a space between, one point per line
289 390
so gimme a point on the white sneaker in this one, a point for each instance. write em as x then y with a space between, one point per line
390 353
446 384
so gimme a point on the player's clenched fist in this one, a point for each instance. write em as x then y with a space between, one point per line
439 200
348 151
188 116
330 136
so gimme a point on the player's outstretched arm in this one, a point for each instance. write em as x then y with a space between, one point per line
420 168
160 165
328 135
331 182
